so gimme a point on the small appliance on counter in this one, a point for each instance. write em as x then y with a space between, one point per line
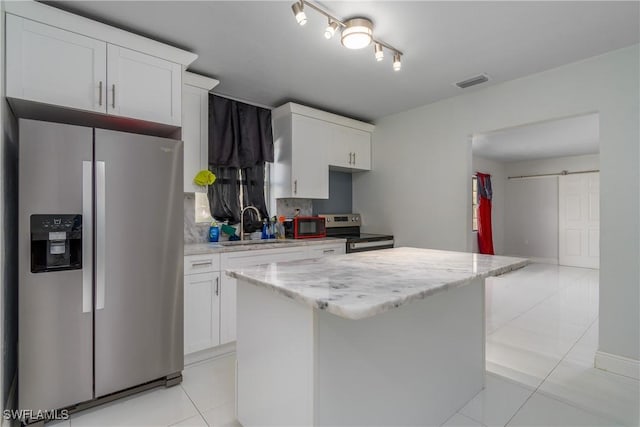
305 227
348 226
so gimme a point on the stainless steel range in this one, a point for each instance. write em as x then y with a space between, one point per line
348 226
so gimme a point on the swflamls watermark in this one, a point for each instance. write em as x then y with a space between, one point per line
30 414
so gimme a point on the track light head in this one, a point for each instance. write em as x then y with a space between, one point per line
331 29
397 65
298 11
378 52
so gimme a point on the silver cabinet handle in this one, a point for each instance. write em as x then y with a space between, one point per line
350 157
101 235
328 251
100 94
354 158
87 237
113 98
217 286
295 187
196 264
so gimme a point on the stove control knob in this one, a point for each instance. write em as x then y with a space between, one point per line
327 219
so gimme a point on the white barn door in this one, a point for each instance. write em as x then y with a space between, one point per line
579 220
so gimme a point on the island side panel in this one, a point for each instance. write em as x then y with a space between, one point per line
275 359
414 365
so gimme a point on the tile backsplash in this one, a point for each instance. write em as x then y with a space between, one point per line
287 207
193 232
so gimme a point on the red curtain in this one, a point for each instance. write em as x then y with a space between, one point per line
485 235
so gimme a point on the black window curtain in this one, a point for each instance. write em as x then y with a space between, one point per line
240 142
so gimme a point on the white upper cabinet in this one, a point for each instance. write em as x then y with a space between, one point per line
350 149
143 87
309 173
195 127
307 143
54 66
300 157
57 58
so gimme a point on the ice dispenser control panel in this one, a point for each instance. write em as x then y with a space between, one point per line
56 243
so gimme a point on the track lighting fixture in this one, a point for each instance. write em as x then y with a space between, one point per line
379 52
331 29
396 62
356 33
298 11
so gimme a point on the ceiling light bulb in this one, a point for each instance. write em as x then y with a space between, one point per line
379 52
396 62
358 33
298 11
331 29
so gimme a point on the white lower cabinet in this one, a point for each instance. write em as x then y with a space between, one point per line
210 295
201 311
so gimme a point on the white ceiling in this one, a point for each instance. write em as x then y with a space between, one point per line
565 137
260 54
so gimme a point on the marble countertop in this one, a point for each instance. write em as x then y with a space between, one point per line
360 285
215 248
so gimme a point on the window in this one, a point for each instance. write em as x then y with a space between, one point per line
203 209
474 203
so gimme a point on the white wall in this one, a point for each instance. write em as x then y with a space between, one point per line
498 180
419 186
531 211
531 225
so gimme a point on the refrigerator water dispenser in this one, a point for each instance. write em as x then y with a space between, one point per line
56 243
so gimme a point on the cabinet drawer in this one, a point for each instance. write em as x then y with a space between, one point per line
326 250
194 264
261 257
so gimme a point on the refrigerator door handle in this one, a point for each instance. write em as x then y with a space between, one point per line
87 237
101 234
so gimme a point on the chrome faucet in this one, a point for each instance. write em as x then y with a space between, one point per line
242 219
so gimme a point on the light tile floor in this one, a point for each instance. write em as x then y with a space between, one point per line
542 335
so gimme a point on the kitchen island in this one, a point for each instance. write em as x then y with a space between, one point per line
389 337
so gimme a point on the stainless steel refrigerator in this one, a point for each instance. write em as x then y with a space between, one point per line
100 253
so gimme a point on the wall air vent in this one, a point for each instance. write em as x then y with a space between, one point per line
475 80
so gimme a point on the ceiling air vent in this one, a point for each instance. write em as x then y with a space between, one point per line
476 80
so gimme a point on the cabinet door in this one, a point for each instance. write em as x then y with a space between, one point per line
340 152
201 311
50 65
143 87
195 131
360 143
309 166
350 148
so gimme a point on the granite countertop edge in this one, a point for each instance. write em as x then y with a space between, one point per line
379 308
216 248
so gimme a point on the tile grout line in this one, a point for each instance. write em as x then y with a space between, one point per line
194 405
549 374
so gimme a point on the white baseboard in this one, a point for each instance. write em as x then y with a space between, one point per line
553 261
618 364
209 353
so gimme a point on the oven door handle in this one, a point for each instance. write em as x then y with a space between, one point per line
371 245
